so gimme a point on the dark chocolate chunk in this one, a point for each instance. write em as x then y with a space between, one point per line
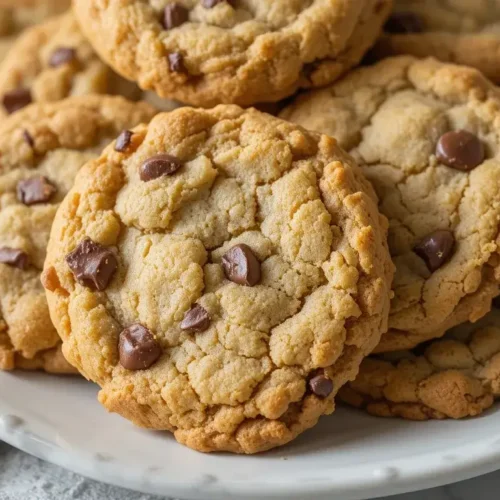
92 264
137 348
174 15
321 385
35 190
15 100
14 257
62 55
436 248
196 319
123 141
176 62
241 266
159 166
460 150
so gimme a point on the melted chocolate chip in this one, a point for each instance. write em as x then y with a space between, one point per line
62 55
14 257
496 302
321 385
436 248
208 4
174 15
28 138
404 22
16 99
460 149
196 319
176 62
137 348
241 266
35 190
123 141
159 166
92 264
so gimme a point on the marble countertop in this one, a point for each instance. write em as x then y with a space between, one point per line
23 477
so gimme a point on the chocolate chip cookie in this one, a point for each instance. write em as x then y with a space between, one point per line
455 377
463 32
427 135
41 149
220 274
206 52
16 16
52 61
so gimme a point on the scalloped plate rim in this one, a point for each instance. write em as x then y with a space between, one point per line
368 480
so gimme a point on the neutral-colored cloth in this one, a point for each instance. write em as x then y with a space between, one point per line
23 477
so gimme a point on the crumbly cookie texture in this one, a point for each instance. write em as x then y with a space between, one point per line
457 31
52 61
455 377
16 16
426 134
220 274
41 149
231 51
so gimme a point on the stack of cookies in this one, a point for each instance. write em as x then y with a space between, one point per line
292 232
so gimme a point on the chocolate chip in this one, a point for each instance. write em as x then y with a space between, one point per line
35 190
174 15
16 99
496 302
159 166
321 385
123 141
404 22
176 62
196 319
208 4
28 138
62 55
460 149
241 266
436 248
14 257
137 348
92 264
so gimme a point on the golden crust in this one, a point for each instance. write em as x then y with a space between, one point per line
309 216
61 137
264 51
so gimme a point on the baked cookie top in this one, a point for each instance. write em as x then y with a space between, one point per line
427 135
455 377
52 61
41 149
207 52
16 16
452 30
220 274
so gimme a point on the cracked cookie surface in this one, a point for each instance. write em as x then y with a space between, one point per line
41 149
455 377
240 51
16 16
52 61
243 275
426 134
457 31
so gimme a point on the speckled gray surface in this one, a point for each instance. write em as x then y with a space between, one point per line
23 477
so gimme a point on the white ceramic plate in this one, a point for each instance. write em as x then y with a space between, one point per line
348 456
